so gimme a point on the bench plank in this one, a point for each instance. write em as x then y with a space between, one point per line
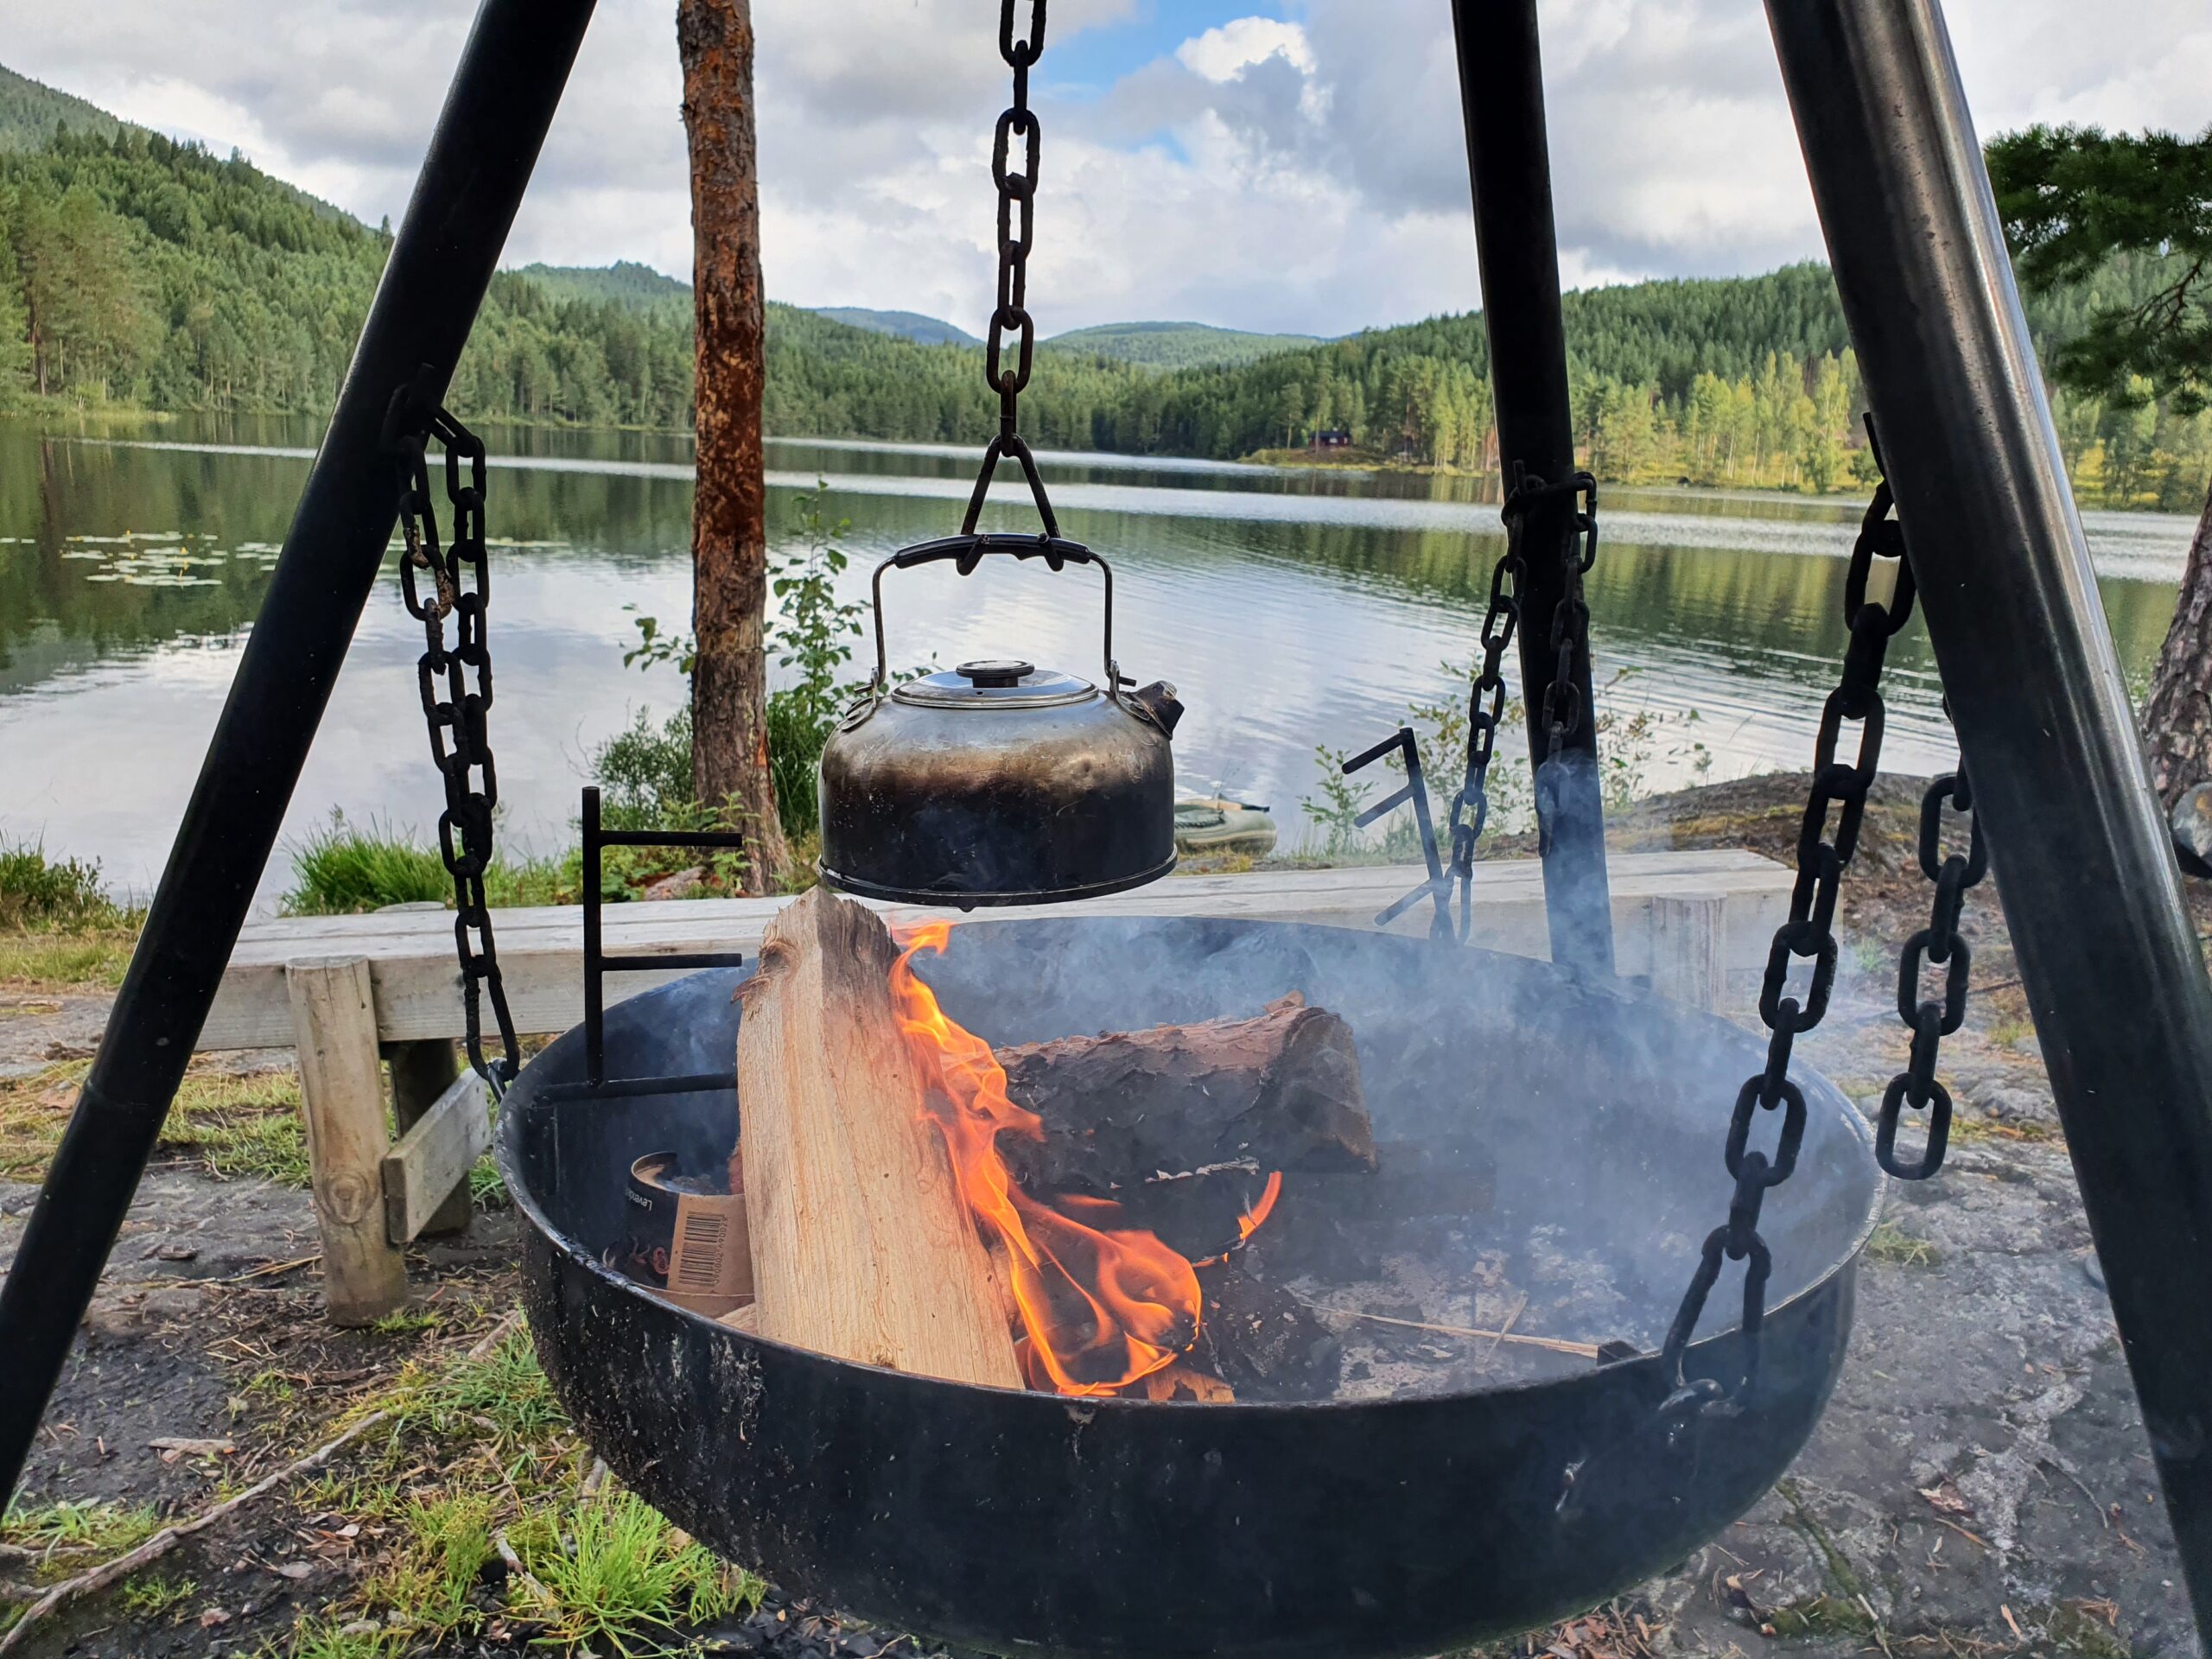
430 1163
418 987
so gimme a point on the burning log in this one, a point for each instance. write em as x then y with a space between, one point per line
862 1246
1190 1127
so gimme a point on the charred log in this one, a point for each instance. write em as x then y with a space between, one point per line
1260 1341
1184 1125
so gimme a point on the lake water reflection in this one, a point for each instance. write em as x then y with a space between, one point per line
1293 608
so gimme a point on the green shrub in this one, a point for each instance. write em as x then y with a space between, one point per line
644 772
35 889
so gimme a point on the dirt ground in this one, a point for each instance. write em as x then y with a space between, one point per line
1981 1483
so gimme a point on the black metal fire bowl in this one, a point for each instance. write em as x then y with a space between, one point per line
1025 1523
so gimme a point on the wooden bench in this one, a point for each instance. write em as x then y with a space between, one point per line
353 993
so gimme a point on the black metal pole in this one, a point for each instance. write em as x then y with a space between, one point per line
503 96
1502 87
2121 1004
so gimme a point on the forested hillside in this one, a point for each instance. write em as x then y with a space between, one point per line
30 110
906 325
136 271
1176 345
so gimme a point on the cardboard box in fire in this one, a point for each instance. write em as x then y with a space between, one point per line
685 1237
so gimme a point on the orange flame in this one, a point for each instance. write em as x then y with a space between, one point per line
1248 1222
1102 1305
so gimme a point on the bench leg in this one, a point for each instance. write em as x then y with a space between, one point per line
1689 962
421 1074
341 1079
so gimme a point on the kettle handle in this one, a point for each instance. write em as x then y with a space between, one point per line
967 551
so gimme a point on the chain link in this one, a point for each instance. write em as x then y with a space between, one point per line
460 586
1839 792
1562 710
1562 706
1017 235
1931 1020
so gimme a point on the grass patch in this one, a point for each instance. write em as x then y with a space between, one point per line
406 1322
236 1127
344 870
1822 1616
2090 1628
479 1453
58 926
39 958
487 1188
614 1571
35 889
342 867
150 1596
91 1526
2010 1034
504 1395
1988 1128
318 1637
1892 1244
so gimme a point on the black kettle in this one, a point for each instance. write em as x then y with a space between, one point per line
1000 783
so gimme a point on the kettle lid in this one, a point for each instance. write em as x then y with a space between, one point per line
1003 684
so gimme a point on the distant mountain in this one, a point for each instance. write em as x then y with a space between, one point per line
30 111
908 325
1176 345
626 283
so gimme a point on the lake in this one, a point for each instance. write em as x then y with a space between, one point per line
1293 608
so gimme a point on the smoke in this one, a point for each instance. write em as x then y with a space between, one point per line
1585 1114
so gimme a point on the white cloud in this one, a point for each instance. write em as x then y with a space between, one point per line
1302 171
1223 53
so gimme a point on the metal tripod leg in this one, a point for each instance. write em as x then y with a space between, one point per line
503 96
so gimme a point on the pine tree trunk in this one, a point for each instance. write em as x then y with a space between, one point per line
2177 719
729 539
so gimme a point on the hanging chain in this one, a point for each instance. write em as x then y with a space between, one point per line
1563 708
1017 235
460 585
1485 714
1809 934
1932 1018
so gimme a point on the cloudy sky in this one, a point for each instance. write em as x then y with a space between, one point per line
1292 164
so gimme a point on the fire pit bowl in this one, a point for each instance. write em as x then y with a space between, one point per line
1019 1522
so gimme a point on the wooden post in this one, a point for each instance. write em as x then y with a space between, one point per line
334 1024
1689 962
421 1074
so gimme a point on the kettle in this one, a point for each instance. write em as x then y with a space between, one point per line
1000 783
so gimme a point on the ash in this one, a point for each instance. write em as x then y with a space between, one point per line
1460 1313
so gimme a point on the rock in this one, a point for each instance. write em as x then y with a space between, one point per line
684 884
2016 1105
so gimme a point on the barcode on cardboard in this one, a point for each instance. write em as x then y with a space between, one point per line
698 1264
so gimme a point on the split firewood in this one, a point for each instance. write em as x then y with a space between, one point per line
862 1245
1183 1125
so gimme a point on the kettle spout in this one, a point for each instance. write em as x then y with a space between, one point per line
1158 704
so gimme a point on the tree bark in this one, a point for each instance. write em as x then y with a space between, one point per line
2177 718
730 534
